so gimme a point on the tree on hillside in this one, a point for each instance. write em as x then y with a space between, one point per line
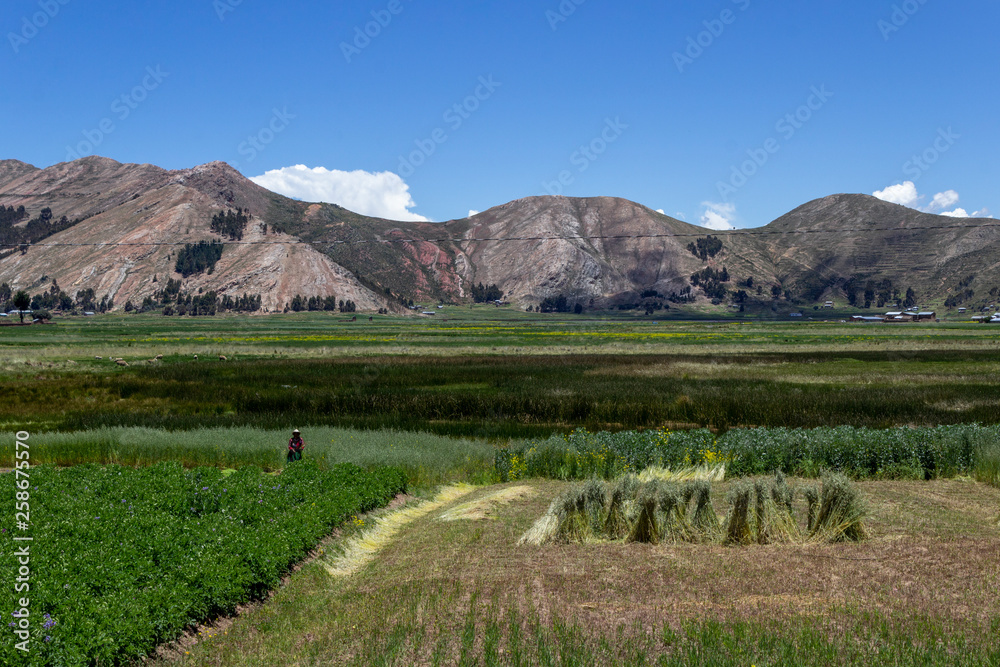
21 301
911 298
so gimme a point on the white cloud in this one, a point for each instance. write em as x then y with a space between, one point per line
962 213
957 213
660 211
904 194
718 216
943 200
383 194
473 212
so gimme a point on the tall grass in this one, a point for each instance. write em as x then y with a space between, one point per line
987 467
908 453
503 396
427 459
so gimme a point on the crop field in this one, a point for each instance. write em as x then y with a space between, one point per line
132 556
166 525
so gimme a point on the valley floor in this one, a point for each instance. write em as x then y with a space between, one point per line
925 589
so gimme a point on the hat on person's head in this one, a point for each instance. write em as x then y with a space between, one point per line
295 431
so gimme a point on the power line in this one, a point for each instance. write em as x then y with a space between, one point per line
504 239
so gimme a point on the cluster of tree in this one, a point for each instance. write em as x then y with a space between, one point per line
10 216
52 299
550 308
187 304
300 303
556 304
37 229
198 257
487 294
313 303
55 298
864 294
710 246
247 303
175 302
169 292
964 293
686 295
232 224
712 282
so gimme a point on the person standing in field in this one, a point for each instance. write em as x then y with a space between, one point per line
295 446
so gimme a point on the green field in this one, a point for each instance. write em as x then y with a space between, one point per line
486 396
495 374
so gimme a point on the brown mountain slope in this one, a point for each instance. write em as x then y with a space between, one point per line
143 204
857 235
600 248
585 259
13 169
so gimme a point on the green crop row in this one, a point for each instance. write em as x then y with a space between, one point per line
911 453
123 559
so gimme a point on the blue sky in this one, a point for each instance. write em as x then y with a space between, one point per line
725 111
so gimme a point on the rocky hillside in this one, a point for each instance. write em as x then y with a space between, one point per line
603 249
159 211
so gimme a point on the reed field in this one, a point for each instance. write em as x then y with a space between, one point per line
509 377
706 492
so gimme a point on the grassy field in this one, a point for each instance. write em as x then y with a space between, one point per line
515 375
923 590
474 394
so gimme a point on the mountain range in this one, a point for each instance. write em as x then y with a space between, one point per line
126 225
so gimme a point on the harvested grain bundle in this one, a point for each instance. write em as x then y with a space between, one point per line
616 524
704 522
673 508
811 494
775 521
760 510
782 494
646 529
573 523
738 526
595 495
842 512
